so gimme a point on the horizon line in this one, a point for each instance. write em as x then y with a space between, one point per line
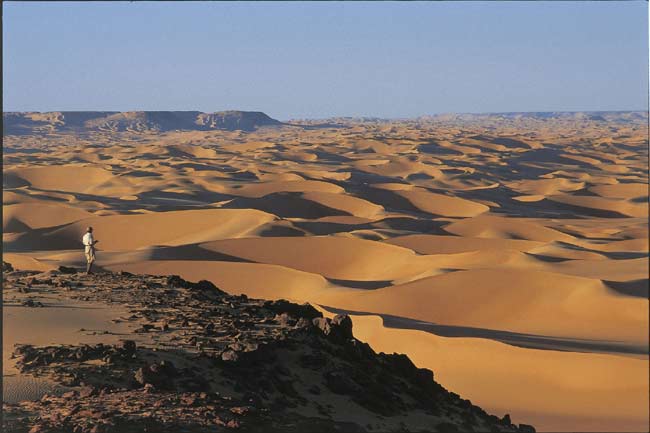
362 116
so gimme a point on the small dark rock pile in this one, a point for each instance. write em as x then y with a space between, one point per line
212 361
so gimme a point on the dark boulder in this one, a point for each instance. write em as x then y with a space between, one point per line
343 325
338 329
128 347
176 281
230 356
204 287
159 375
67 270
323 324
295 310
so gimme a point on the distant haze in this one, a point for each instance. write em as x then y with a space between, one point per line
318 60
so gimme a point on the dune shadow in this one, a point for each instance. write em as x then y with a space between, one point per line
530 341
192 252
285 205
364 285
548 259
636 288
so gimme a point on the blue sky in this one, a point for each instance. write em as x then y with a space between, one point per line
299 60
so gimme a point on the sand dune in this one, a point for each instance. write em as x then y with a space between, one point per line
545 186
489 226
610 205
446 206
513 300
128 232
352 205
253 279
436 244
334 257
532 226
262 189
39 215
587 381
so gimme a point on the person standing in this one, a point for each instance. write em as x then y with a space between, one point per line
89 246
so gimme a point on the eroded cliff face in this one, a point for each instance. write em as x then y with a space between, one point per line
199 359
137 121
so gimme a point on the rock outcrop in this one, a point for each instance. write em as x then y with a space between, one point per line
15 123
202 360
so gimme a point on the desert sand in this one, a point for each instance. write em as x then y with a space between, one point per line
507 253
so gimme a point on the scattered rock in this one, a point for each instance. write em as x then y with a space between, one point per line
267 358
31 303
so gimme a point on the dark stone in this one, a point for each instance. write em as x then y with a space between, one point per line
146 374
166 368
229 356
343 325
176 281
30 303
205 285
129 347
202 286
6 267
525 428
283 306
323 324
425 375
401 364
67 270
285 320
88 391
303 323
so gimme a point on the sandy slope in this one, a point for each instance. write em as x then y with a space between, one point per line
559 391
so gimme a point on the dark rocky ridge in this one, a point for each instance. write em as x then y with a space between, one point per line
209 361
15 123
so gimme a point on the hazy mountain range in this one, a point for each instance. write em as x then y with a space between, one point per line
22 123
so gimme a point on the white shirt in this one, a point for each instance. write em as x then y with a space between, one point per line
88 239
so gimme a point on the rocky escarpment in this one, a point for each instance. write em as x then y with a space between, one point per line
135 121
198 359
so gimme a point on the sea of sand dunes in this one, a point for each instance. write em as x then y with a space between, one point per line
507 253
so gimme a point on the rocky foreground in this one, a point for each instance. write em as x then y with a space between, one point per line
202 360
